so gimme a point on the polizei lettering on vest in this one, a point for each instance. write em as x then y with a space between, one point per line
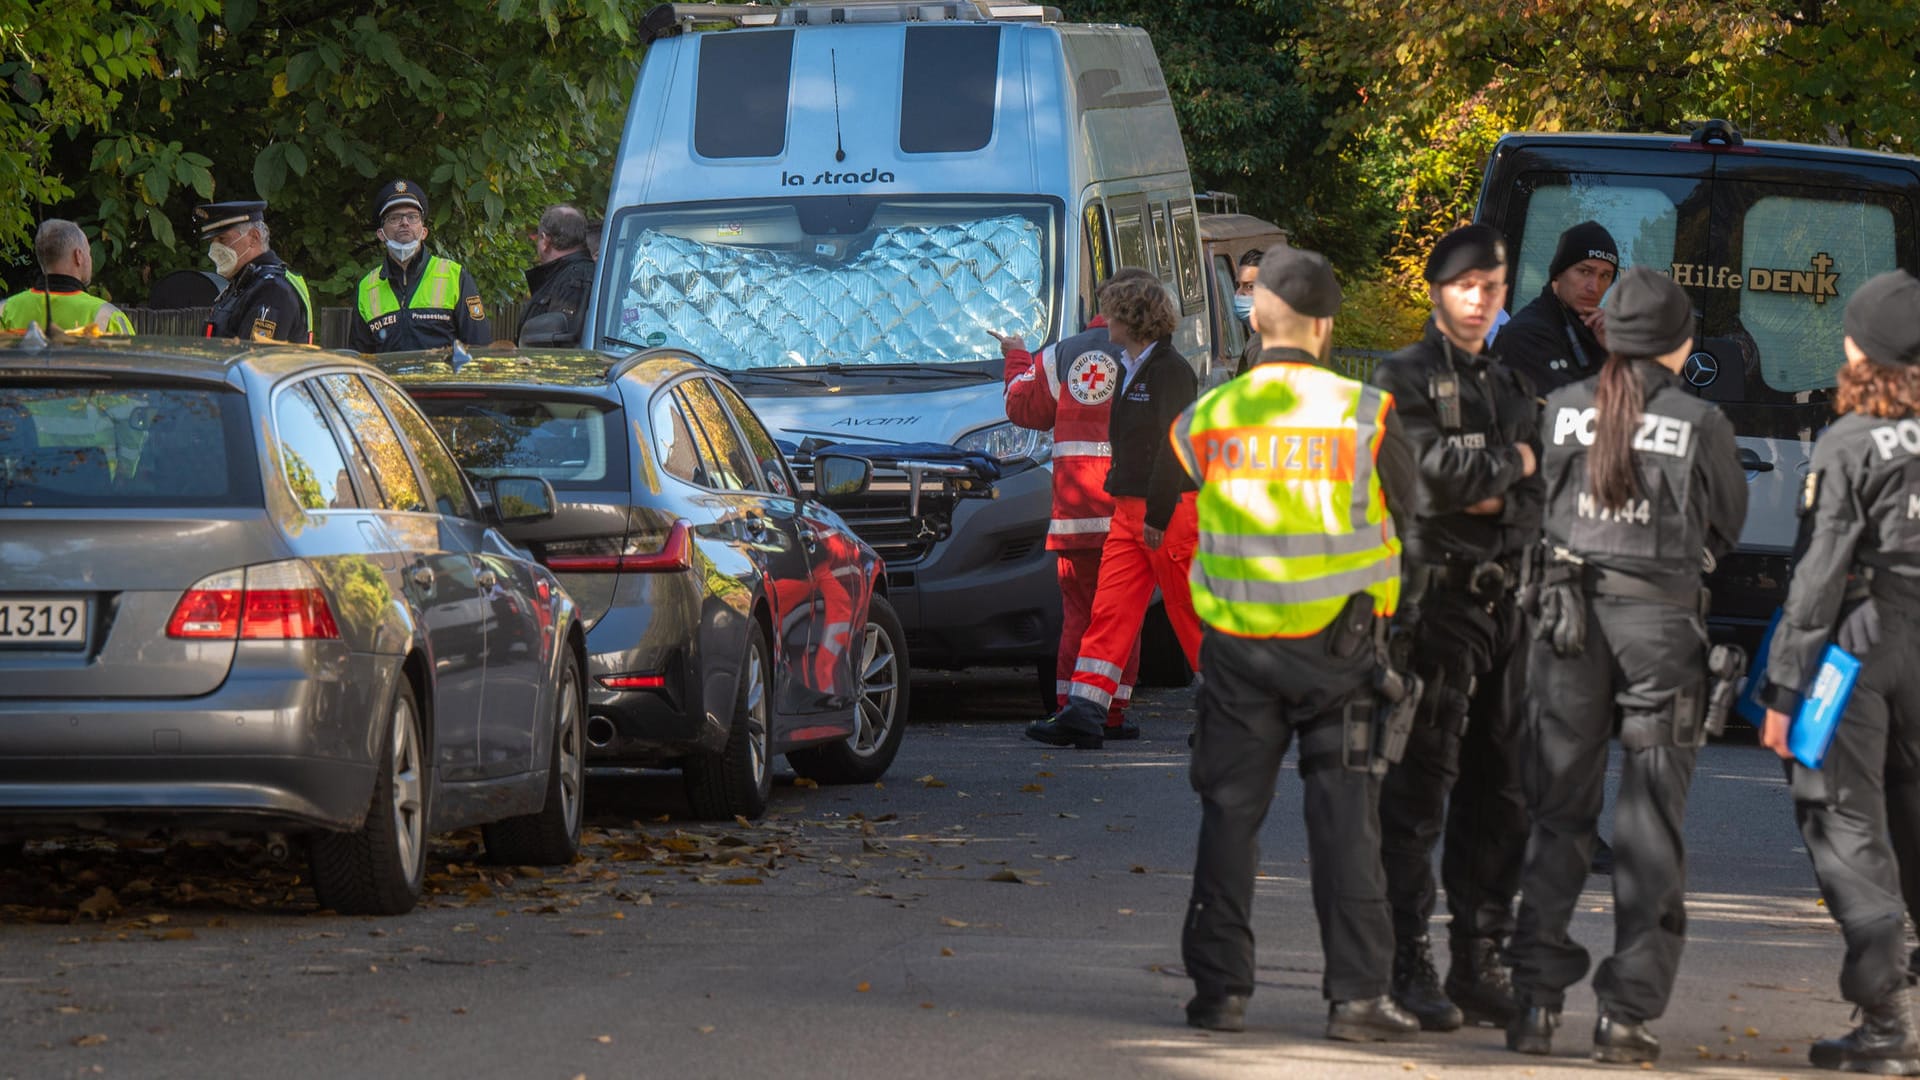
1292 453
1900 435
1657 435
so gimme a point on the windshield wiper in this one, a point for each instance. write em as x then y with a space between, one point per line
634 345
910 371
782 374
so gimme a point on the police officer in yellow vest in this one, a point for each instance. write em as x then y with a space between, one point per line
66 264
414 300
265 300
1301 472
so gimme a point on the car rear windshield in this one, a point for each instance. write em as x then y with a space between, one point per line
572 443
105 444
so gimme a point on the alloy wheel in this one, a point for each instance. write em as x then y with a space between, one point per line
879 691
409 825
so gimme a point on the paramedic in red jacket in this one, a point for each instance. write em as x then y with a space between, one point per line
1151 540
1066 392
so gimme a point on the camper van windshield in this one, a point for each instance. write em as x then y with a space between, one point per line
847 279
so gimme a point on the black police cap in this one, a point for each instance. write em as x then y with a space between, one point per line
1648 315
1304 279
398 193
1470 247
1883 318
212 219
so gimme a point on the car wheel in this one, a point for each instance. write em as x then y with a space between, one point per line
737 781
880 721
378 868
551 835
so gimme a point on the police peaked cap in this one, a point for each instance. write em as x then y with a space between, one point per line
398 193
1304 279
212 219
1883 318
1649 314
1468 248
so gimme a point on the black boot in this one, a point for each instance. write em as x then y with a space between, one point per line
1478 982
1369 1020
1079 724
1218 1012
1618 1040
1531 1030
1416 986
1885 1043
1120 730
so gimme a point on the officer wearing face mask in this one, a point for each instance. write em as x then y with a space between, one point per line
1249 273
414 300
265 299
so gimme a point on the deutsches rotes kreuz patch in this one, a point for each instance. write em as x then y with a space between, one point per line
1093 377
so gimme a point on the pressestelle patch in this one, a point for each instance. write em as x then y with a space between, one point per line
1093 377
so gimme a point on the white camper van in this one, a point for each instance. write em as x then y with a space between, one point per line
836 202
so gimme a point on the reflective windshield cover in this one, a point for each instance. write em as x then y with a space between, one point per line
113 445
848 279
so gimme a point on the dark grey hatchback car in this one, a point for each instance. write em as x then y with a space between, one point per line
732 617
245 589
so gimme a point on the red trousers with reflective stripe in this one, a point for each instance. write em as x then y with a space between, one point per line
1079 570
1129 570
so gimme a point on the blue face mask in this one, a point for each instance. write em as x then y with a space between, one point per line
1242 306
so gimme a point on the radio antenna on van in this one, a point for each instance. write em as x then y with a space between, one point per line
839 144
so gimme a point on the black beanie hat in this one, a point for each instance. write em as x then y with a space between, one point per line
1587 240
1883 318
1649 314
1470 247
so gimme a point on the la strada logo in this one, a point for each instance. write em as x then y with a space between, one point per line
830 178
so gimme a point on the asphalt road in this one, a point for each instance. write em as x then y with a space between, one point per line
993 909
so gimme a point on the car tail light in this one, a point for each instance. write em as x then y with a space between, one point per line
211 608
273 601
676 553
634 682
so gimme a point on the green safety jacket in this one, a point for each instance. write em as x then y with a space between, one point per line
70 311
1293 518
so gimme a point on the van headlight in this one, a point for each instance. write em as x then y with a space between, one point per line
1007 442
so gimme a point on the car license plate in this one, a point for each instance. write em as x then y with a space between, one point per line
43 623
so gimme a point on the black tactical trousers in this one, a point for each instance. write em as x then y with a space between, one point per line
1457 640
1258 694
1640 657
1843 812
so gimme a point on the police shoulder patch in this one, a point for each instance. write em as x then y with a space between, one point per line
264 328
1093 377
475 310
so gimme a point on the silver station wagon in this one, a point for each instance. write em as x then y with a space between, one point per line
245 589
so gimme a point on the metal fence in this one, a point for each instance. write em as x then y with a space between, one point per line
335 322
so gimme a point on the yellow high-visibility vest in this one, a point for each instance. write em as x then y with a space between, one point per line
439 288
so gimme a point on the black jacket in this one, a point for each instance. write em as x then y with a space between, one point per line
1547 342
1399 469
422 327
1139 427
1468 462
1858 512
260 302
562 285
1693 491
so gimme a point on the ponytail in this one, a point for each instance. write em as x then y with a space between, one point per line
1618 399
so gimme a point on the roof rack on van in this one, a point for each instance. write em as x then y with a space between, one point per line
668 20
1217 202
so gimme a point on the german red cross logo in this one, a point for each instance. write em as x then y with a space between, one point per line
1093 377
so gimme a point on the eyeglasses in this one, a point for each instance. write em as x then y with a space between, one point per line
404 217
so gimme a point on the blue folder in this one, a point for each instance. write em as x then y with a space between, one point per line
1821 707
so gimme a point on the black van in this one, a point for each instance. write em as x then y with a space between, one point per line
1770 239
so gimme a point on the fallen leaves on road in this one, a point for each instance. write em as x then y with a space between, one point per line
863 988
89 1040
930 781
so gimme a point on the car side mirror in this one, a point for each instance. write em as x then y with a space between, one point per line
521 500
836 476
548 330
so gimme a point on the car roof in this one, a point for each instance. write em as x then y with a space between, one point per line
505 366
203 359
1237 227
1518 139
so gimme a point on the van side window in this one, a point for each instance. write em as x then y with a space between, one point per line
1226 282
1801 256
1162 245
1130 237
1186 251
1093 247
740 99
948 84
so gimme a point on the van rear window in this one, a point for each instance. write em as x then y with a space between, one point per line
1643 217
100 446
1800 259
948 88
740 100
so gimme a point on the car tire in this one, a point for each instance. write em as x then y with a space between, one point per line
1162 662
551 835
737 781
881 716
378 868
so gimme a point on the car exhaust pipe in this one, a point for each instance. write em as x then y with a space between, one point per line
600 732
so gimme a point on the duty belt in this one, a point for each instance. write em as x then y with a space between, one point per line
1600 581
1484 580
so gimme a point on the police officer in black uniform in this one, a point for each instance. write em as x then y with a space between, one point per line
1474 425
1857 583
1645 491
1559 337
264 298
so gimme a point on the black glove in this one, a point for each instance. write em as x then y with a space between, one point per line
1563 620
1860 630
